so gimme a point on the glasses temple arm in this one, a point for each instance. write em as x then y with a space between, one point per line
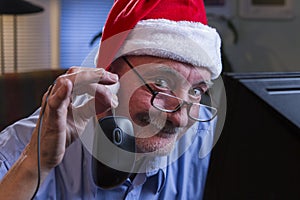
140 77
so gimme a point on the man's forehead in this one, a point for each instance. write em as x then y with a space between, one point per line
160 66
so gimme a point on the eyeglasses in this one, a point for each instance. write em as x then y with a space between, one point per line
168 103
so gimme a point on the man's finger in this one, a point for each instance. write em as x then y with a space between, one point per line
59 98
82 76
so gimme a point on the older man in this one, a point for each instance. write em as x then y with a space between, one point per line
163 57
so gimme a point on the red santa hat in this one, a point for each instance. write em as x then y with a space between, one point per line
174 29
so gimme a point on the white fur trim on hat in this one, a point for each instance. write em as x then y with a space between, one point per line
183 41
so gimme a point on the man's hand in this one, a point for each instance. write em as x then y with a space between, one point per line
58 126
58 129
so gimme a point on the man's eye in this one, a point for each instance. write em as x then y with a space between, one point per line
161 83
196 92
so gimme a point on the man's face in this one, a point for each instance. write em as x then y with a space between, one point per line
157 131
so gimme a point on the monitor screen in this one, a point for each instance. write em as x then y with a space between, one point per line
258 153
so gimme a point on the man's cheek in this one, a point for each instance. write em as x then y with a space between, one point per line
138 103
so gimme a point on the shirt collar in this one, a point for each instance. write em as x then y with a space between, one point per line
161 179
156 168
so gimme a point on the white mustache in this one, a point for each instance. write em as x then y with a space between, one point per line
160 124
157 122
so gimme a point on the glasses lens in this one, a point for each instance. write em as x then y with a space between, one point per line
166 102
201 112
169 103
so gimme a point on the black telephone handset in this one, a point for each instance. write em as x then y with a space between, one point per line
114 147
113 151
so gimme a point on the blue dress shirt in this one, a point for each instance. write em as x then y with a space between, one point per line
72 179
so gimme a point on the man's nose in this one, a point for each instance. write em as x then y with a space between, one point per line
180 117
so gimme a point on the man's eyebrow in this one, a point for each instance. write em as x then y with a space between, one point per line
209 83
161 68
176 74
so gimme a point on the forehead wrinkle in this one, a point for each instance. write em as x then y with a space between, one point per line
165 69
189 72
199 73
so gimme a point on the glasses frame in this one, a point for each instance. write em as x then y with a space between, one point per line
155 93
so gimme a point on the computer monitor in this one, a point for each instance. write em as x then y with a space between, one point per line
258 153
